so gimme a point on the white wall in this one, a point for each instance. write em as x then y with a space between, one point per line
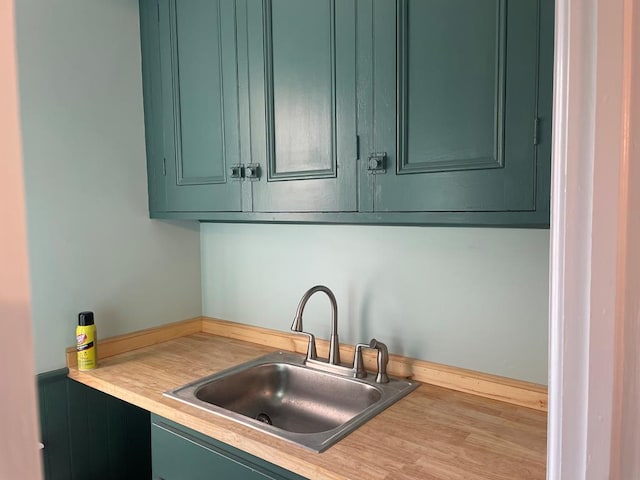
471 297
91 243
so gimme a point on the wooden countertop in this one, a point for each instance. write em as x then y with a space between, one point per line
434 433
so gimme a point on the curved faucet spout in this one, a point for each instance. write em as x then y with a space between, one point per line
296 326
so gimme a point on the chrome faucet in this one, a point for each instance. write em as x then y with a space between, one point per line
333 363
296 326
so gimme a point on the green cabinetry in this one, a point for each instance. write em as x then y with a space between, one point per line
181 454
192 45
89 434
349 111
301 77
460 134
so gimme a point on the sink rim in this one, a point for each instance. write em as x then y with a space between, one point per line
318 442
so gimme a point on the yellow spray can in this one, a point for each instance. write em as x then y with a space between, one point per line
86 341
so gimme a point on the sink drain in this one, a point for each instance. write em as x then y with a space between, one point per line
264 418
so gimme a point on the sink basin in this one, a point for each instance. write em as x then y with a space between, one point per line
290 397
279 395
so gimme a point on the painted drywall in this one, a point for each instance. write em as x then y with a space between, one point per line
91 243
470 297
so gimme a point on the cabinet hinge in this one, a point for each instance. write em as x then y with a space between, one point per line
164 167
536 131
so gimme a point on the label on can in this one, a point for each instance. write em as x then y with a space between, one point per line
86 347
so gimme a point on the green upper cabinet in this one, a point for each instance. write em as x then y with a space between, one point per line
199 104
455 128
434 112
152 89
302 103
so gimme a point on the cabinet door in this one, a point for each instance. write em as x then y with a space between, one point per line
152 89
459 134
180 454
301 58
200 104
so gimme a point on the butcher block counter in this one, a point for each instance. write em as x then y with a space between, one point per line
433 433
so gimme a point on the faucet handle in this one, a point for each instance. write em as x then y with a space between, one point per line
358 362
296 327
312 354
383 360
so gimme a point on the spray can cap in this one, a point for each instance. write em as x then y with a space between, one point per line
85 318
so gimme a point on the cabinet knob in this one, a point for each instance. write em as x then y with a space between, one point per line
376 162
252 171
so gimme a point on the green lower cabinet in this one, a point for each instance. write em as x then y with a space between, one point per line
180 453
88 434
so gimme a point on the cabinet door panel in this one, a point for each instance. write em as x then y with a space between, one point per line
466 105
182 454
302 64
452 85
176 458
200 101
301 83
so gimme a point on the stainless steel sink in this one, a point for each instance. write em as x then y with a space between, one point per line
280 395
